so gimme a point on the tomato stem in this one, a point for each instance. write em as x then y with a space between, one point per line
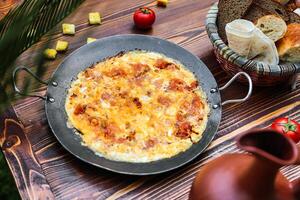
288 126
145 10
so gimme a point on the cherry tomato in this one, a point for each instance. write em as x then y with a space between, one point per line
287 126
144 18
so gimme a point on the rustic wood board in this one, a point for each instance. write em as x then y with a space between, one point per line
43 169
6 5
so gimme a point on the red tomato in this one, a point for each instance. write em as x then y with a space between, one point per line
144 18
287 126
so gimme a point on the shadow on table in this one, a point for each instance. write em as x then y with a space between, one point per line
8 190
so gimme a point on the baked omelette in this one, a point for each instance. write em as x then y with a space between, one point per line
138 106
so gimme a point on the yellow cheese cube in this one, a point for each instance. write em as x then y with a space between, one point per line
162 3
61 45
50 53
89 40
94 18
68 29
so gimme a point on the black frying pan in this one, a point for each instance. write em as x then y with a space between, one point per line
94 52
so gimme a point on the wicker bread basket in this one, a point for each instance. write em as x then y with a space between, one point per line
261 74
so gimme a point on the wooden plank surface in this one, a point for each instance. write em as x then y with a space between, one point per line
6 5
65 177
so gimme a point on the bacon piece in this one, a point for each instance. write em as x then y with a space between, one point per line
185 105
116 72
140 69
131 136
139 80
105 96
150 143
121 140
194 108
108 97
110 130
79 109
162 64
90 73
113 102
193 86
127 125
184 130
94 121
123 94
91 107
197 108
73 95
137 102
177 85
158 83
197 103
180 117
172 66
164 100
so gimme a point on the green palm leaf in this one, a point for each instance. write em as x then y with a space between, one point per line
21 28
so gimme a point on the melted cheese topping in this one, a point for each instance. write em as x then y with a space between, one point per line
137 107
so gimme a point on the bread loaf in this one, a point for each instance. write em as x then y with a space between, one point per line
252 10
255 12
273 7
289 46
294 18
291 6
294 11
230 10
283 2
272 26
260 8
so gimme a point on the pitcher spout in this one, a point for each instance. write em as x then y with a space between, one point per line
270 145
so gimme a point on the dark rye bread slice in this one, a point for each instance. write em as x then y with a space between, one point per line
255 12
294 18
273 7
260 8
230 10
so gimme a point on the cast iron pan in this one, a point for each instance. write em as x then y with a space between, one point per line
110 46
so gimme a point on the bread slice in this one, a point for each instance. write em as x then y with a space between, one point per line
272 26
282 2
291 6
260 8
274 8
294 18
255 12
289 46
230 10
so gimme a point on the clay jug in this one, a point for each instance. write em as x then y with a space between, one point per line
250 176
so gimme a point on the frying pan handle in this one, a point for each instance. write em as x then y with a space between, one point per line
17 90
229 83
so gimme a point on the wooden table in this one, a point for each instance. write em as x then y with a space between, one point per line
42 168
